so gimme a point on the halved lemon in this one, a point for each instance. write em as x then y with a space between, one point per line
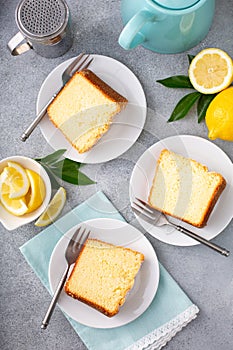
16 206
36 192
15 176
219 116
54 208
211 71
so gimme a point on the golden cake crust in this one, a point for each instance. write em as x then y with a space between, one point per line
90 137
76 294
208 206
102 86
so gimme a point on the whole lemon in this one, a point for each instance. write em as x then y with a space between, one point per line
219 116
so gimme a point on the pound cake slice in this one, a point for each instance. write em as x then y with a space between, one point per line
84 109
103 274
184 188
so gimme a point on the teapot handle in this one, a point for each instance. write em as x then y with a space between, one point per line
130 36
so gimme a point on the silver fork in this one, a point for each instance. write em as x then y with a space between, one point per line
73 250
156 218
77 64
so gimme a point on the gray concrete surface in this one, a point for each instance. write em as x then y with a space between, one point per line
202 273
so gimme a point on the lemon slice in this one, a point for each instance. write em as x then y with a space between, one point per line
211 71
16 207
36 193
15 176
54 208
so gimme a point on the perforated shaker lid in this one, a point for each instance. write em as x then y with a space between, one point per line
41 18
176 4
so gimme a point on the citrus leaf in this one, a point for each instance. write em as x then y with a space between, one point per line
53 157
183 106
67 164
81 179
177 81
54 183
65 169
202 105
190 58
74 177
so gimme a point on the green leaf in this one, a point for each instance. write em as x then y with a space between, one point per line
177 81
183 106
75 177
65 169
80 179
67 163
68 170
54 183
202 105
190 58
53 157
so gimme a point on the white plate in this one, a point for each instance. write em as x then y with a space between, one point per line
146 282
127 125
202 151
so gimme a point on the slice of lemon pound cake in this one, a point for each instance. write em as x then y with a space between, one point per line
84 109
103 274
184 188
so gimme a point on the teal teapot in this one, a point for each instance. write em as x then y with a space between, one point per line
165 26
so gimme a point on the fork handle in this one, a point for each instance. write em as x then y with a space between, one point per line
36 121
52 305
202 240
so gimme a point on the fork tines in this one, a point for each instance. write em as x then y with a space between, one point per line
76 60
86 64
83 235
80 63
143 208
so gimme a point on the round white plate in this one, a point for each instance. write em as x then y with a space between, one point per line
146 282
127 125
204 152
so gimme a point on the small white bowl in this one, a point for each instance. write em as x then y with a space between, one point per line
10 221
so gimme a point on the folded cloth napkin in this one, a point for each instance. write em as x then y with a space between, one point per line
168 313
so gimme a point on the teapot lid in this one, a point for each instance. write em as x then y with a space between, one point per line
176 4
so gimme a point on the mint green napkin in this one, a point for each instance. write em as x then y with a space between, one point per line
170 310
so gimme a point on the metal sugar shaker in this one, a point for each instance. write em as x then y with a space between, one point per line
44 25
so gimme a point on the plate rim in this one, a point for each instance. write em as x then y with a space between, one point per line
140 92
155 264
190 242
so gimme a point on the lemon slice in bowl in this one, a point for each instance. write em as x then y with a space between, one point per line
15 176
211 71
16 206
53 209
36 192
